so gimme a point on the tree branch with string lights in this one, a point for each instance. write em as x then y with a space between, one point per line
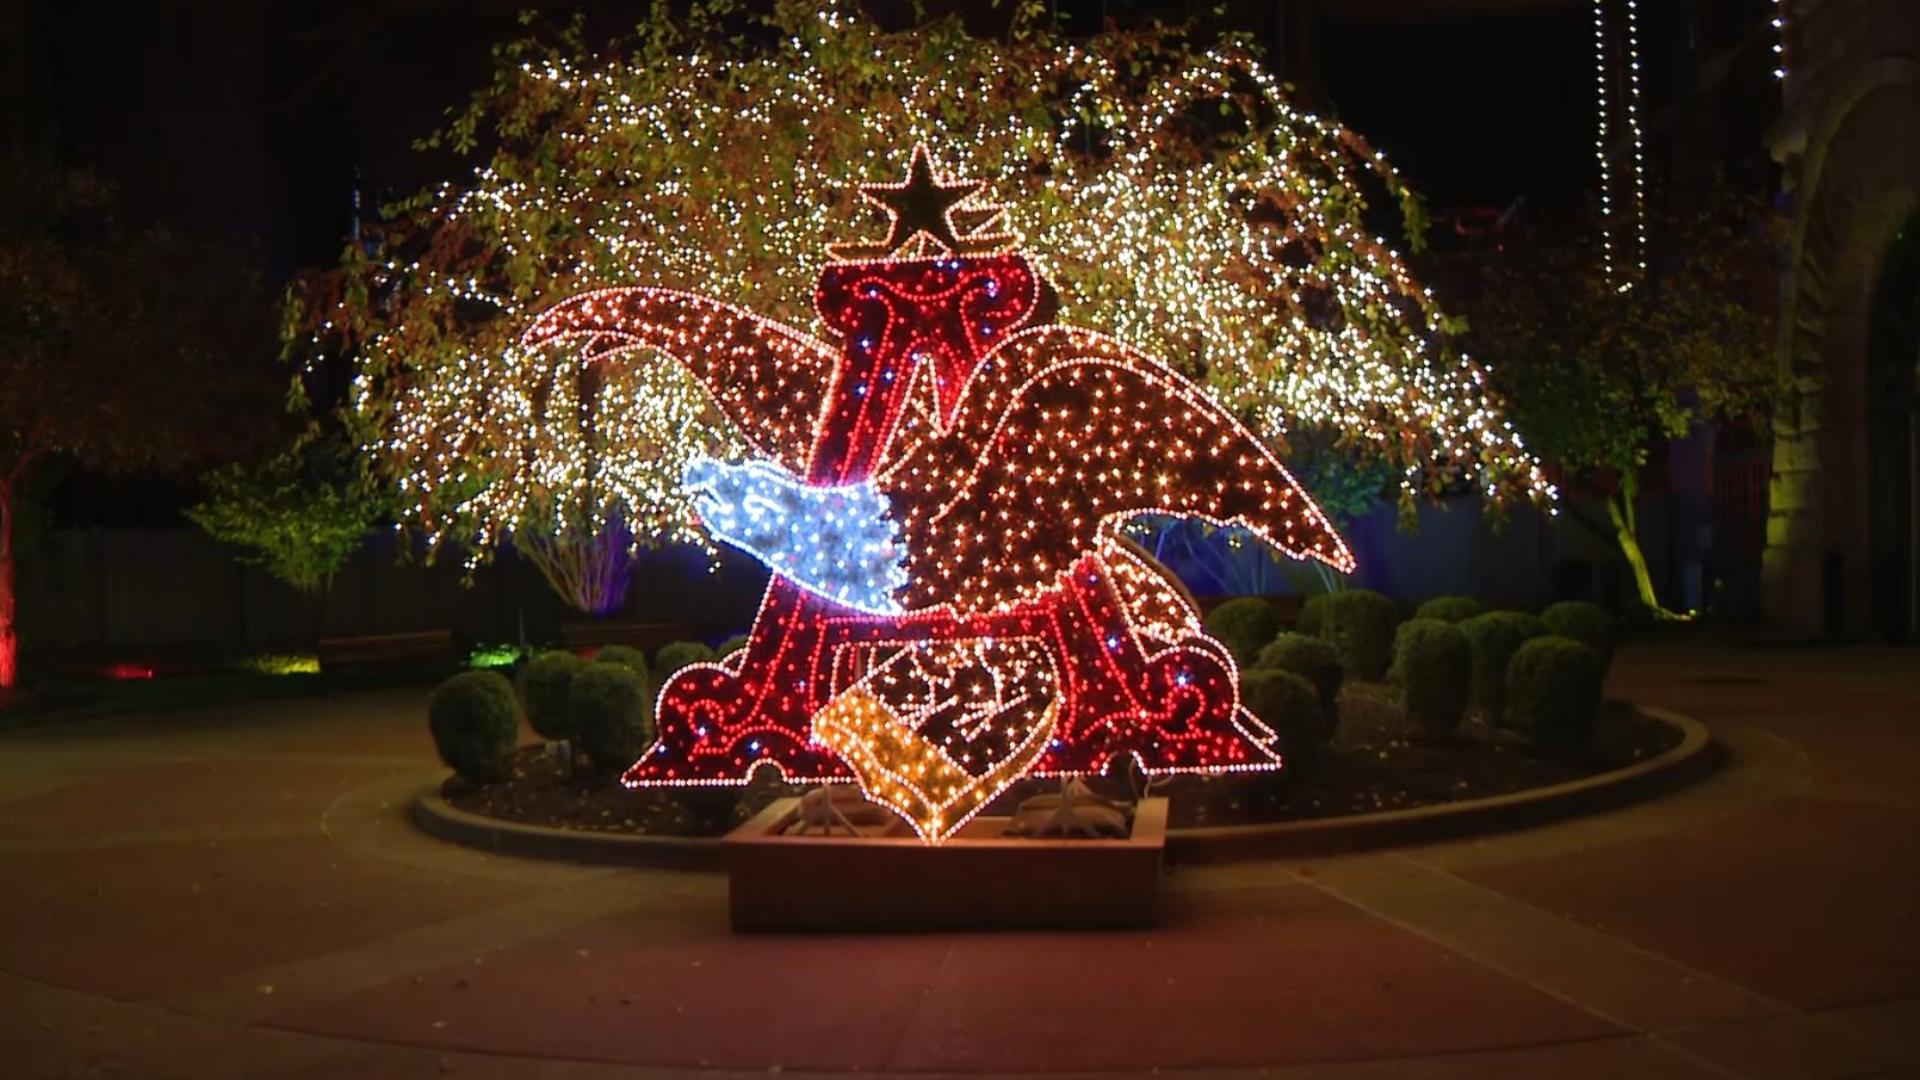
1170 192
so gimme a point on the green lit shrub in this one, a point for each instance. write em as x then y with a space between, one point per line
1494 638
543 686
494 656
1244 626
1312 659
1553 693
1290 705
732 645
282 664
632 659
1359 623
607 708
1450 608
475 721
1433 667
1588 624
678 654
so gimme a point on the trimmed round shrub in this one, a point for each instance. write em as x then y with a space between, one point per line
1494 638
1311 612
1244 625
543 687
730 646
1588 624
1359 623
1313 660
1553 693
678 654
1289 705
475 722
1433 666
1450 608
630 658
608 706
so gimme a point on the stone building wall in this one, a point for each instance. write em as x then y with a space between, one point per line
1849 139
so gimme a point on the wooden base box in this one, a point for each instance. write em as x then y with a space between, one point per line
980 879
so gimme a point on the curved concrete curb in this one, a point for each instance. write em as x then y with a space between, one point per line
438 817
1694 757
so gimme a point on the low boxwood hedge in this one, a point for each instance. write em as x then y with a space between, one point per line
1244 625
1588 624
1553 693
1289 705
1359 623
626 656
678 654
1433 667
1494 638
475 721
608 704
1314 660
1451 609
543 685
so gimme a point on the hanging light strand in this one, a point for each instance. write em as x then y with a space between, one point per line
1602 109
1639 141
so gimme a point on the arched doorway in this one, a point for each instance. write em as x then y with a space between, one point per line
1893 438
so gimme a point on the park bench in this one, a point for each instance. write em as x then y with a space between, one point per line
385 650
644 636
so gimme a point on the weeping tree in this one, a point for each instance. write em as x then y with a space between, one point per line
1168 188
1601 367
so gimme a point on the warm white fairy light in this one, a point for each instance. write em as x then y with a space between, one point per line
1780 41
933 748
1602 110
1633 129
1604 117
1297 314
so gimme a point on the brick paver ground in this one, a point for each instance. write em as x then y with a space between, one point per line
237 892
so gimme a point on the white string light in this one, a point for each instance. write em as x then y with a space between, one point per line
1600 133
1633 128
1255 267
1780 44
1636 136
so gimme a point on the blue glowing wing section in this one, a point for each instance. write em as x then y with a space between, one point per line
839 542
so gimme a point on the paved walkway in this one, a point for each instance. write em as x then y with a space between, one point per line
236 893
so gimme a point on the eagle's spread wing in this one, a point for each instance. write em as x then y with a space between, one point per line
767 378
1066 434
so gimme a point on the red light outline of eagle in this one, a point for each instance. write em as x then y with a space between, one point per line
1012 450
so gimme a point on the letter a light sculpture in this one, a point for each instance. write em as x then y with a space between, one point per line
940 496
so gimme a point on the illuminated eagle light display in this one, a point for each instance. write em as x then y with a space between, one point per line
940 495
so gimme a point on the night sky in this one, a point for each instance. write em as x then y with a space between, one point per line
263 119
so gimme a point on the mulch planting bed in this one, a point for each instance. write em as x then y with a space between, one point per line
1376 763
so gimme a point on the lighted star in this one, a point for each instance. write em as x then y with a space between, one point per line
921 210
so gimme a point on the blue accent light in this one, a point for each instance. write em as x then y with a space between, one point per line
839 543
